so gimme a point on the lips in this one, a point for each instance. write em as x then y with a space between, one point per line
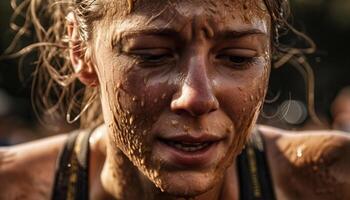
188 146
187 150
189 143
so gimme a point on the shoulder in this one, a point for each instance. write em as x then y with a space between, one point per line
28 169
317 160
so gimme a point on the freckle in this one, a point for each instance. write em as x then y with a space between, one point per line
228 130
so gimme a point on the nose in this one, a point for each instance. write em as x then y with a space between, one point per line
196 95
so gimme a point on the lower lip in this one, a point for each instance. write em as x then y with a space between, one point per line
200 158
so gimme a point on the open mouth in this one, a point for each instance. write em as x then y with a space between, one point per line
189 147
187 151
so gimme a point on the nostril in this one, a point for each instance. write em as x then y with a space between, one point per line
201 108
195 105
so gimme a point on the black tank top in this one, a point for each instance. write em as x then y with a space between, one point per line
72 180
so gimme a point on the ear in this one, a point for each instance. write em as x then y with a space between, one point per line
82 65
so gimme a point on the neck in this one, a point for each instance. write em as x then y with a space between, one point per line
122 180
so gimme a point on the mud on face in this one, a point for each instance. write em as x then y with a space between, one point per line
196 69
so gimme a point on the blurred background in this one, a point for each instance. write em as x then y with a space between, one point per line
327 22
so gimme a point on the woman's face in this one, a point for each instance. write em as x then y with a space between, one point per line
182 83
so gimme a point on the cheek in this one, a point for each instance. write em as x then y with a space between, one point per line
242 95
134 98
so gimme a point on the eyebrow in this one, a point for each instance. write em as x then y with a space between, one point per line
169 32
156 32
232 34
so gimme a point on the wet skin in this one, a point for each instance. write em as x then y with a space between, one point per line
202 77
184 76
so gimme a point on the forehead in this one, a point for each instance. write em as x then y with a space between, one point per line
177 14
245 10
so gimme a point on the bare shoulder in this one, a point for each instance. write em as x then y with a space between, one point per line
27 170
316 160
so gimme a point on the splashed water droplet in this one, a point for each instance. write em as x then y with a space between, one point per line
300 151
131 120
174 122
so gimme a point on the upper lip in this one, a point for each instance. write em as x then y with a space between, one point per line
193 138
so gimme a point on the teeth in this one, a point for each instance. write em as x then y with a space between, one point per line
190 147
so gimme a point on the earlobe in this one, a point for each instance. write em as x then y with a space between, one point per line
82 65
87 75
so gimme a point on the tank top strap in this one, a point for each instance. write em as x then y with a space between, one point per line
253 171
72 170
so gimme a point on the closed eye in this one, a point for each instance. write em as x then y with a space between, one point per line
236 57
152 56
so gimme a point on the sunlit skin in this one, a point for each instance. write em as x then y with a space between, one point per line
188 71
340 110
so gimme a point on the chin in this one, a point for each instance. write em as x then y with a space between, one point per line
187 184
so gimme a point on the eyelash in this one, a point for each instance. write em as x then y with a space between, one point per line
155 59
240 62
152 58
